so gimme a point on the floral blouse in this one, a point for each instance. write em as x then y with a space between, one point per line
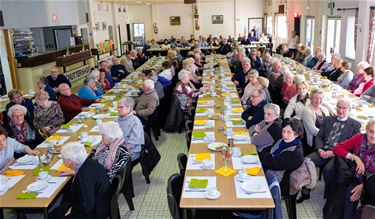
50 116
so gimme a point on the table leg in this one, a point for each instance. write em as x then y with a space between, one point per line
270 213
1 213
184 213
45 213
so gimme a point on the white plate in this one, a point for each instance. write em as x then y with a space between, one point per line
240 137
37 186
213 146
216 196
239 179
46 179
251 187
93 139
27 159
249 159
100 116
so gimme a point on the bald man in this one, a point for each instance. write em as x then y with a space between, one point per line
55 79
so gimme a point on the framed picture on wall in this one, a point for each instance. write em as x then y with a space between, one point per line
175 20
256 25
104 24
217 19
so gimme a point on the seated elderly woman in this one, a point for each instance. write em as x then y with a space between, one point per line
356 178
9 146
367 82
346 75
95 75
285 155
47 115
335 74
195 79
90 192
321 64
275 73
252 76
43 85
151 75
147 102
308 56
288 89
15 97
263 83
89 91
313 116
112 151
102 81
331 67
314 59
131 126
298 102
369 95
268 131
359 76
300 55
166 75
185 90
20 128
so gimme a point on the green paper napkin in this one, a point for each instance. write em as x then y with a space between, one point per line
238 122
207 95
88 144
249 153
114 114
201 110
27 195
198 183
38 169
2 107
116 99
65 126
235 101
199 134
110 92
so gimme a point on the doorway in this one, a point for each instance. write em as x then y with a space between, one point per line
309 38
139 34
332 36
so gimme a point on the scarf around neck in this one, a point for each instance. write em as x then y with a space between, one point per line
113 147
281 145
367 155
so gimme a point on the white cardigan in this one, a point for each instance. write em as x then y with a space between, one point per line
296 107
309 119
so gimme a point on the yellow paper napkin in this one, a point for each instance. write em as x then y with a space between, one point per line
202 101
239 133
253 171
200 122
54 137
225 95
202 156
237 110
228 172
62 167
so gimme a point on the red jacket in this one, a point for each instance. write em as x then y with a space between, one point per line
72 106
351 145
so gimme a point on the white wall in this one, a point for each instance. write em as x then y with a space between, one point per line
141 14
244 11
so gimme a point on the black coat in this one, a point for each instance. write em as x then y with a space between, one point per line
31 143
91 191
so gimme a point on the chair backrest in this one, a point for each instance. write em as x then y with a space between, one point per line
124 172
188 125
188 138
114 207
182 161
150 156
174 190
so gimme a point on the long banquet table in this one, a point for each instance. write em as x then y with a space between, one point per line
232 197
83 122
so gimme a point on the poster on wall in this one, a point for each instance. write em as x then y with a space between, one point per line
175 20
217 19
104 24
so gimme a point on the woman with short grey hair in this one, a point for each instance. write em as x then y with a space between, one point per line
111 152
346 75
267 131
89 90
131 127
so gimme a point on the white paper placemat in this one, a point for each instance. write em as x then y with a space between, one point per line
197 193
73 128
237 163
240 193
45 144
53 184
194 165
23 167
230 124
204 140
57 164
245 141
234 105
231 113
209 125
12 180
206 113
95 129
208 103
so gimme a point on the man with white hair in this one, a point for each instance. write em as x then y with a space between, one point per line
239 79
55 79
335 129
147 102
224 47
118 71
266 64
254 114
90 192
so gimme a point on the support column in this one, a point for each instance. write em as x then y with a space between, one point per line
11 60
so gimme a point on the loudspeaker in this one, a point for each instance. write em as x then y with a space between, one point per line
190 1
1 19
87 17
281 9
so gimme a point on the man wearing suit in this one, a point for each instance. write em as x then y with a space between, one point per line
335 129
224 48
90 191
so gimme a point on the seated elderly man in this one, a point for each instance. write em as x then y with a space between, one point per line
118 71
90 192
55 79
104 65
159 88
71 104
254 114
21 129
252 76
147 102
8 147
255 61
268 131
266 64
15 97
335 129
224 47
131 126
239 79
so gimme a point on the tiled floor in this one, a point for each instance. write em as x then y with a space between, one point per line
150 199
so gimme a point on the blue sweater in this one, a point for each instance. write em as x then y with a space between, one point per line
85 93
51 93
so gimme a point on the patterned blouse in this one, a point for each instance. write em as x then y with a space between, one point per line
121 157
50 116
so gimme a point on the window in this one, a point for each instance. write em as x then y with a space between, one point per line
332 37
310 23
281 29
349 45
269 25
